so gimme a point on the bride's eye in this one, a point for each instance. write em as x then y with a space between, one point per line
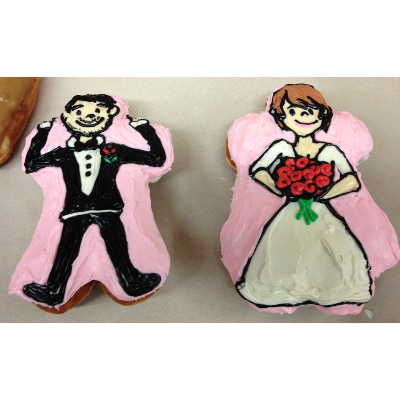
292 112
310 111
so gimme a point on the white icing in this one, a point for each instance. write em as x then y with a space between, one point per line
274 165
71 142
363 159
369 313
331 153
45 124
138 122
280 148
86 166
295 262
87 212
156 179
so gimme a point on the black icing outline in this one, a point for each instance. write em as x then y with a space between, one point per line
288 200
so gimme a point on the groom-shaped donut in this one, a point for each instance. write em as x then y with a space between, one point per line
90 166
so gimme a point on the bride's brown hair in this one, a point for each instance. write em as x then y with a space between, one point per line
301 95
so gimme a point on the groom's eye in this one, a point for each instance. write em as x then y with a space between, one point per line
78 112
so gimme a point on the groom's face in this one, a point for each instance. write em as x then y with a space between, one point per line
88 118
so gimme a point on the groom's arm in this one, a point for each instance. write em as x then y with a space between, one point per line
34 160
154 157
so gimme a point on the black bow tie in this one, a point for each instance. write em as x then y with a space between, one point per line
91 144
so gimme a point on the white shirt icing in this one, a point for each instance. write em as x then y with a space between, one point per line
89 167
89 164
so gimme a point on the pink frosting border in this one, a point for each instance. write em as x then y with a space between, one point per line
146 247
252 206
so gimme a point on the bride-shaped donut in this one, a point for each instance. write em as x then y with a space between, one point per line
306 252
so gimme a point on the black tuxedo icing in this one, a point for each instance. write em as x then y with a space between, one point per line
101 206
105 194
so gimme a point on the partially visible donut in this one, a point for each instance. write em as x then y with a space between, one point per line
17 100
228 157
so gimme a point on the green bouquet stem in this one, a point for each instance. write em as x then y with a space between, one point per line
305 210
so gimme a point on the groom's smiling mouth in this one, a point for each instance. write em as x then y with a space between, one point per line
87 124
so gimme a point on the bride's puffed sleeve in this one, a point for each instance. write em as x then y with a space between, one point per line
348 181
270 159
332 153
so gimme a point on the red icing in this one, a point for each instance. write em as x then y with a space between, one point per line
283 181
290 162
297 188
109 149
282 170
308 186
326 169
294 179
308 173
296 176
302 162
322 181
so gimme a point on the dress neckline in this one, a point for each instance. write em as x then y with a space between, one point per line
311 158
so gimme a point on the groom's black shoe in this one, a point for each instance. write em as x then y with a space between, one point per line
44 294
140 284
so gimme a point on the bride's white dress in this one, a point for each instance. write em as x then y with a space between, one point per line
295 263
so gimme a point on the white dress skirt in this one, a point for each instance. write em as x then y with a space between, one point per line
295 263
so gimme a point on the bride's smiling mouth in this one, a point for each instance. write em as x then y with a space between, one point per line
305 123
89 124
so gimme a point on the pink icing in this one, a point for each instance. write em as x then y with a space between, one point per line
146 247
252 205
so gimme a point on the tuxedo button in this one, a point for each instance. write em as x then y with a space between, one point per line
88 173
88 166
88 157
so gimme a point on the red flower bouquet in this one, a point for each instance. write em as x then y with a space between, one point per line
303 180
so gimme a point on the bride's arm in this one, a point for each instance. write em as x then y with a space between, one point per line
259 171
265 178
347 184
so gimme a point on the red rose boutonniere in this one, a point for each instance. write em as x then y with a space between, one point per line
109 153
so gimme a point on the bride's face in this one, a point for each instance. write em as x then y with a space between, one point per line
302 121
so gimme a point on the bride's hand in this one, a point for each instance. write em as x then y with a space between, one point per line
346 185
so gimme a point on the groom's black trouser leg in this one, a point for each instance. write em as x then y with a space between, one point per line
53 291
68 250
131 280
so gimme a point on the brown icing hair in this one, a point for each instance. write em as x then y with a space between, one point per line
301 95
